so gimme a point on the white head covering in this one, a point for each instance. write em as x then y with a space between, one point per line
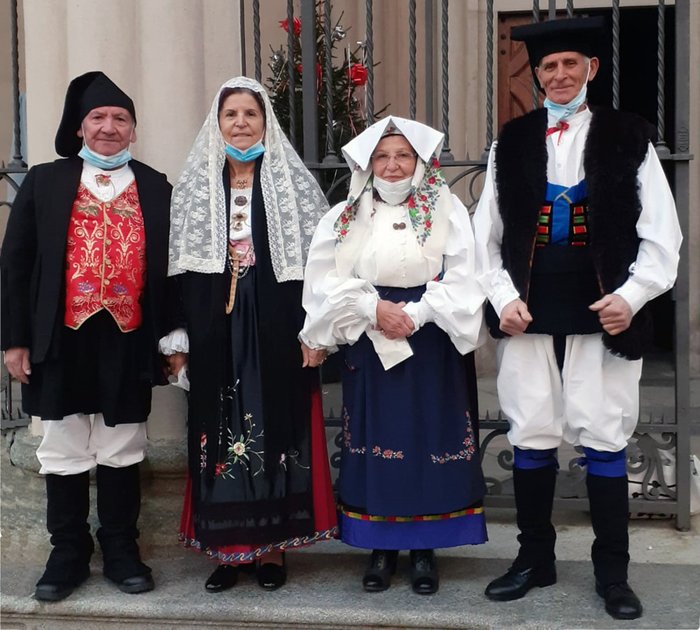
429 203
294 202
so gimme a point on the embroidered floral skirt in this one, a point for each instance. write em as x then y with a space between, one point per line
410 476
239 508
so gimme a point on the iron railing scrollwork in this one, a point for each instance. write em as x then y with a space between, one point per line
655 439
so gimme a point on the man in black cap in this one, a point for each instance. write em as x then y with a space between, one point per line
576 231
84 265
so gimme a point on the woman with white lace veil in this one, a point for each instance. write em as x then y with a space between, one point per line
242 216
390 277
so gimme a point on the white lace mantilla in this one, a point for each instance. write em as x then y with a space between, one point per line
294 202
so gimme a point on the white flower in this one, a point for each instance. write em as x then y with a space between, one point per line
238 448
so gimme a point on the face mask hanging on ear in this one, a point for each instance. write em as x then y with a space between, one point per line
246 155
392 193
105 162
562 112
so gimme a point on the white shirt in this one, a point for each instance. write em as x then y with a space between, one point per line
654 270
118 178
340 309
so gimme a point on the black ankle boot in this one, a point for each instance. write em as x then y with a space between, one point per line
424 573
118 507
382 565
67 508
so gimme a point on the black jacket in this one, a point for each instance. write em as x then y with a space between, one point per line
32 260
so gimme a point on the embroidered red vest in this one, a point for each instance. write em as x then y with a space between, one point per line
105 259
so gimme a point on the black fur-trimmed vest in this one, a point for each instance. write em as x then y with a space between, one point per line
615 148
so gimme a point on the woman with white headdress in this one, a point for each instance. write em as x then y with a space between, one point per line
242 216
390 277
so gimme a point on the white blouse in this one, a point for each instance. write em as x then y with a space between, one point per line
340 309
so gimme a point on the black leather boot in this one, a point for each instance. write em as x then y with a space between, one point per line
609 503
118 507
67 508
534 566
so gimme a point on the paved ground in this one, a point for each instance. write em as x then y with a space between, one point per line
324 589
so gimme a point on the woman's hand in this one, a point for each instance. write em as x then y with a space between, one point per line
174 363
392 321
312 358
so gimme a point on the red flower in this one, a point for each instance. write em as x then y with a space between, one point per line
426 209
424 197
411 202
431 180
428 224
436 164
219 469
297 26
343 232
344 219
387 453
358 74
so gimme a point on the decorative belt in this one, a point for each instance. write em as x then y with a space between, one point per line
241 258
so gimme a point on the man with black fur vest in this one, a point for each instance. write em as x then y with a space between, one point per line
576 231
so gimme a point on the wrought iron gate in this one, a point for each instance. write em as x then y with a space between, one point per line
657 435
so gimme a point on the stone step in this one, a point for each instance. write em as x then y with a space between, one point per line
324 588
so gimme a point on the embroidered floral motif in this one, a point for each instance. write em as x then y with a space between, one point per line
424 199
467 452
347 436
241 451
105 259
203 451
386 453
347 216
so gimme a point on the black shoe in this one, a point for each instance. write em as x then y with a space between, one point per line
620 600
49 590
424 573
223 578
136 584
382 565
517 582
271 576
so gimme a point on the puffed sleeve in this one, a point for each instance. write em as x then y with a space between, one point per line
455 302
488 234
338 310
654 270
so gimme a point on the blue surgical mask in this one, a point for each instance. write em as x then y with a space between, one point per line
245 155
105 162
562 112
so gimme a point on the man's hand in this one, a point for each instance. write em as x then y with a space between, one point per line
614 313
17 364
312 358
515 318
174 363
392 320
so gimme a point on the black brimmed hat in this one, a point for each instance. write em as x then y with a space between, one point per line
582 35
85 93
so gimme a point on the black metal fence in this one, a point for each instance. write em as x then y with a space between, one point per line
662 436
662 489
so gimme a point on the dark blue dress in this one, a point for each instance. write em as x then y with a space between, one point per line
410 475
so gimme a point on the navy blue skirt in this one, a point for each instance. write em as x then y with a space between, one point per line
410 475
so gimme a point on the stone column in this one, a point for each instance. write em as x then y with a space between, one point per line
170 56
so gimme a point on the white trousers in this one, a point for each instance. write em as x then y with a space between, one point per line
593 401
79 442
